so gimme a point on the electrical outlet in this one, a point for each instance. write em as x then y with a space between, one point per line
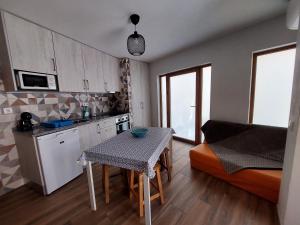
7 110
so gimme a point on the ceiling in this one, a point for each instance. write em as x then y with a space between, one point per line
167 25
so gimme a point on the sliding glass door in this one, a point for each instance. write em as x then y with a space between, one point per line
185 102
183 105
205 96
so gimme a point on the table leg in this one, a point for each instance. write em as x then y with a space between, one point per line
91 185
171 151
147 200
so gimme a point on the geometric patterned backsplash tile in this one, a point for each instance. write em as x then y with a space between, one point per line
43 106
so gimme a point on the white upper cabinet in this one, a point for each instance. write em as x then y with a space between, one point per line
146 103
79 68
140 93
100 72
69 64
111 73
31 46
136 93
93 77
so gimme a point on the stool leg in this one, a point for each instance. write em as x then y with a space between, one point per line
131 182
103 178
162 159
159 184
168 164
124 177
106 182
141 195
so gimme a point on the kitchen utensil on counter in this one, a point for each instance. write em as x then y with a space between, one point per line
85 112
94 110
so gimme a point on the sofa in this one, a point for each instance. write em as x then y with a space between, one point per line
263 182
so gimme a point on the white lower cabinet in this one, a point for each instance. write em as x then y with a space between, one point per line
89 135
107 122
84 137
94 133
108 132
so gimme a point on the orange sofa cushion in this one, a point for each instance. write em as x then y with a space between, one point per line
262 182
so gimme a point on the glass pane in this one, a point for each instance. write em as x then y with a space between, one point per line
164 101
273 88
206 84
183 100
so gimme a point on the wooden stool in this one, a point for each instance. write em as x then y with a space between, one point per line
139 193
166 162
105 180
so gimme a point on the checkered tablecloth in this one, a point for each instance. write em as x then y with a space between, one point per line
128 152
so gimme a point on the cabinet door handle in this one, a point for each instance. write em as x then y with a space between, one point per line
84 85
105 86
54 64
59 134
88 84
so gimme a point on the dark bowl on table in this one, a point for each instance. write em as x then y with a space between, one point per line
139 132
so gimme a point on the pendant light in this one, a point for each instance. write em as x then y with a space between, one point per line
135 42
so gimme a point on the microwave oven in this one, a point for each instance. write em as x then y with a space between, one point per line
36 81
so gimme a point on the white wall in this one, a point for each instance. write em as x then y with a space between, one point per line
231 58
289 199
293 12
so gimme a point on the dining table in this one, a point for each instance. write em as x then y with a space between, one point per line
131 153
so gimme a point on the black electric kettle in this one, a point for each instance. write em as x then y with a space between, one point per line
24 124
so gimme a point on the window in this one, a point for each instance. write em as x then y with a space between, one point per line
185 102
271 87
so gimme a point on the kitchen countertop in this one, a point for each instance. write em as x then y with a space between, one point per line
40 131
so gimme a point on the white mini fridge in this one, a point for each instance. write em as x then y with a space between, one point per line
58 153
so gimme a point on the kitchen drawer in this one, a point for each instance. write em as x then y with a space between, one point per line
107 122
108 132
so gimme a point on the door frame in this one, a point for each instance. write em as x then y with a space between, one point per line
198 70
253 74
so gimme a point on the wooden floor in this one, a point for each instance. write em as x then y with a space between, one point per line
192 198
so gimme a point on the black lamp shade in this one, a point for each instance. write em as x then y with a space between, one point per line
136 44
